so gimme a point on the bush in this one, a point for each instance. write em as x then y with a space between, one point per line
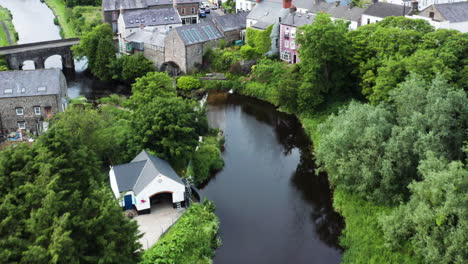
207 159
188 83
191 240
248 52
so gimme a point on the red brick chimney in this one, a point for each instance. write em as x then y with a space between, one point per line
258 1
287 3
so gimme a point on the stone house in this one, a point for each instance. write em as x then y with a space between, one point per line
145 180
134 21
448 16
231 26
288 30
28 99
150 43
378 11
111 9
186 45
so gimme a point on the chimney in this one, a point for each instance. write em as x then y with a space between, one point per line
287 3
258 1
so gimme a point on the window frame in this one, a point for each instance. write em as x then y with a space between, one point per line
23 124
36 112
22 111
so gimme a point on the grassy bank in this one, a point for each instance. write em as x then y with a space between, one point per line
192 239
6 18
74 21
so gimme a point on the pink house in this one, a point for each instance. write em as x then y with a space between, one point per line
288 30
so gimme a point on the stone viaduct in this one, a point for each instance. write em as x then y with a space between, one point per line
38 52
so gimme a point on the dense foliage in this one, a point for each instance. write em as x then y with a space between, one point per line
258 40
374 151
150 86
128 68
188 83
71 3
191 240
56 205
206 159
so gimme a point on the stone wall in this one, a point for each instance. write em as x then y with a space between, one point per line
175 50
10 119
437 15
195 54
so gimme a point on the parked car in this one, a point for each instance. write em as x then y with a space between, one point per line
207 10
205 4
201 12
214 7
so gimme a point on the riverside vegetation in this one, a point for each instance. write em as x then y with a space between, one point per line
389 131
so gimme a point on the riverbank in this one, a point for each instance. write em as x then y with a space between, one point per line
8 35
76 20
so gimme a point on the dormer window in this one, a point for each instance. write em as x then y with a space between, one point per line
41 89
137 21
8 91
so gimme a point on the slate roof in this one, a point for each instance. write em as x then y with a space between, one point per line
113 5
153 37
151 17
297 20
383 10
341 11
267 12
143 169
198 33
454 12
231 21
31 83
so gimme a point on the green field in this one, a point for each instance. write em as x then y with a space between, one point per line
6 18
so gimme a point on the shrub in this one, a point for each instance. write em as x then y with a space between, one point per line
207 159
188 83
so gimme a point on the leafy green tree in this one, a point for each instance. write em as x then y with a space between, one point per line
169 126
435 220
188 83
98 47
150 86
324 51
128 68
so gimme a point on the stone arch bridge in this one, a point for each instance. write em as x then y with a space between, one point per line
38 52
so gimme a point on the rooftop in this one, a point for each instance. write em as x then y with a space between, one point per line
151 17
198 33
231 21
267 12
31 83
298 19
144 168
382 10
454 12
113 5
153 37
337 11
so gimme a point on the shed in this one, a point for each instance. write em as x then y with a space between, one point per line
144 181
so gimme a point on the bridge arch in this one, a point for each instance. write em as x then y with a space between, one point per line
171 68
53 61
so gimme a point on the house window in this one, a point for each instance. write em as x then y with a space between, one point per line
431 15
22 125
285 56
193 10
37 110
293 44
293 33
286 43
19 111
368 21
182 11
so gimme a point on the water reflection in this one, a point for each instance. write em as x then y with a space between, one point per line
271 206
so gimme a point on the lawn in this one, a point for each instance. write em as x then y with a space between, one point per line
62 14
6 18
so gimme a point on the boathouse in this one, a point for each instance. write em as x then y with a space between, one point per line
145 181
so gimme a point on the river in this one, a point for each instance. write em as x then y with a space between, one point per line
272 207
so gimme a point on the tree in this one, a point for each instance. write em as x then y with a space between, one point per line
324 51
169 127
98 47
435 220
150 86
188 83
128 68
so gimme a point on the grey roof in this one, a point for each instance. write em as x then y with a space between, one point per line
198 33
267 12
113 5
31 83
231 21
261 25
454 12
382 10
144 168
297 19
337 11
151 17
153 37
127 175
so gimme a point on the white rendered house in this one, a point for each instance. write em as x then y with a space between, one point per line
138 183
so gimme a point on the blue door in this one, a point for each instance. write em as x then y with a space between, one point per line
128 202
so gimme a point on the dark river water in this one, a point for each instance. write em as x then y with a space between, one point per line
272 207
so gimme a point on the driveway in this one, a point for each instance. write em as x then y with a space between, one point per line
153 225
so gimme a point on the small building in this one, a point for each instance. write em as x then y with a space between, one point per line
28 99
288 47
231 26
186 45
245 5
447 16
144 181
187 9
150 43
378 11
133 21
